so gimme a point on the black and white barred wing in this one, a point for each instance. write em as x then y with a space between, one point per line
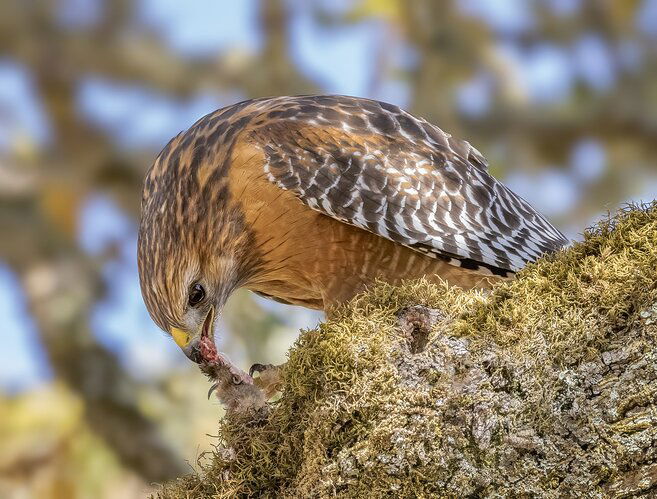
377 167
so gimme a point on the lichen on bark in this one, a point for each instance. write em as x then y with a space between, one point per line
544 387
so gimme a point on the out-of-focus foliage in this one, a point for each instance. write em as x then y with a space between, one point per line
560 95
47 450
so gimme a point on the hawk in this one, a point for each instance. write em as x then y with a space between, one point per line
308 200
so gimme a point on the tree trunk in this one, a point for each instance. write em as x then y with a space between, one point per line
545 387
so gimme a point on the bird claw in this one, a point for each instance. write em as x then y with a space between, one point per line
212 389
269 379
258 368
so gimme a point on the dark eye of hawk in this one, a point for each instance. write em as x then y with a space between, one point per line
196 295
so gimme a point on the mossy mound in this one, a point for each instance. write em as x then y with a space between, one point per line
547 386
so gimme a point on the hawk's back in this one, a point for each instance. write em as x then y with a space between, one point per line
379 168
364 163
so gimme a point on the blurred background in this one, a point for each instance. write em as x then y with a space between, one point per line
560 95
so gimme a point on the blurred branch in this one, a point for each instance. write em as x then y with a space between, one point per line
279 75
61 285
446 57
119 53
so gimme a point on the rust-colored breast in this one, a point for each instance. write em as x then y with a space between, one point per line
314 260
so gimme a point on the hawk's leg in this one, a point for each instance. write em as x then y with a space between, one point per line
269 379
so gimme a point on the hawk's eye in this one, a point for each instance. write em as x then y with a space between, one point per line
196 295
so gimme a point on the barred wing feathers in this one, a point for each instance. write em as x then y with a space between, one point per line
377 167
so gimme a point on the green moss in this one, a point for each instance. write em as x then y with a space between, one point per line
361 416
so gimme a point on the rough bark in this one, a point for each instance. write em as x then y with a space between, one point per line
543 388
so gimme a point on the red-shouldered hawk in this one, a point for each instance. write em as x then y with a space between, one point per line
309 199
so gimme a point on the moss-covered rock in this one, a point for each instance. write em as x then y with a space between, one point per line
544 387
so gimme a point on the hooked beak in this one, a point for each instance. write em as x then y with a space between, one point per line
190 343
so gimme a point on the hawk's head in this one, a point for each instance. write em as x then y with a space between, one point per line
194 249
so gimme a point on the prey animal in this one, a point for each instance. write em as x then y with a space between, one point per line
308 200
